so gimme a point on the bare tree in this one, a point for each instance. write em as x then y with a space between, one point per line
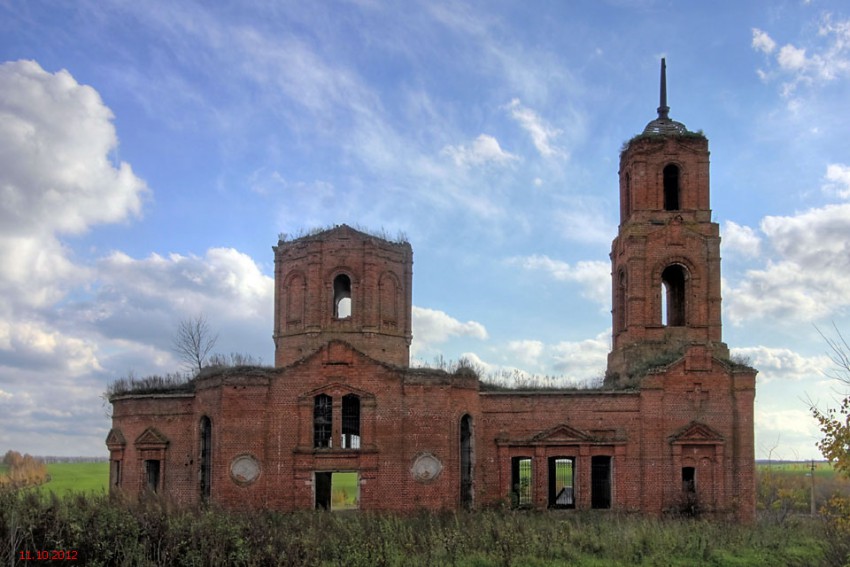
193 341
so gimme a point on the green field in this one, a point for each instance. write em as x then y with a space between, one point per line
822 468
345 491
76 477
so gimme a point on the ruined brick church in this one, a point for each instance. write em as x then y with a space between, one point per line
671 428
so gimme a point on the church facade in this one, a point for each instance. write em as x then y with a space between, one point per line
343 413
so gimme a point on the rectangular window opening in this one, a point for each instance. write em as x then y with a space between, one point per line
521 482
350 422
152 474
322 421
115 473
562 482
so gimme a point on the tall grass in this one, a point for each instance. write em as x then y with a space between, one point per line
108 530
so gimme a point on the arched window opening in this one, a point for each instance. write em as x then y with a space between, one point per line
620 305
206 457
350 422
627 205
673 295
342 296
322 421
671 188
466 462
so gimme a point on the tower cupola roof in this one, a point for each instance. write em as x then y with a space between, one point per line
663 125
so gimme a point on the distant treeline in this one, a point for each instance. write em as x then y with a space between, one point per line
51 460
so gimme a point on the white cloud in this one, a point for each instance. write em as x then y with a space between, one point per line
432 327
762 41
826 57
741 240
566 363
141 300
34 345
56 138
784 433
791 58
805 277
593 276
838 180
56 177
542 134
782 364
583 361
584 221
484 149
526 351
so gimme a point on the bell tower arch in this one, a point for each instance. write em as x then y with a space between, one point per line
343 284
665 260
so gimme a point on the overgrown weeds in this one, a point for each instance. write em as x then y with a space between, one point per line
109 530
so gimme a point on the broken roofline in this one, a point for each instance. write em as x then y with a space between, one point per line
318 232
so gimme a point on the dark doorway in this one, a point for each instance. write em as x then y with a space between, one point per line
521 482
466 462
600 482
562 482
323 490
689 485
206 457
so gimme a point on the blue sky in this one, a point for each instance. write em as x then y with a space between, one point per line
151 153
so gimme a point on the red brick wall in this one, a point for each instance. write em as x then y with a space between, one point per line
697 411
381 274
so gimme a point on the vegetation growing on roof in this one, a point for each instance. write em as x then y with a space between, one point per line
399 238
179 382
511 379
698 135
172 383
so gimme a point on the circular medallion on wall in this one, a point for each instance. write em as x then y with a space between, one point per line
426 467
244 469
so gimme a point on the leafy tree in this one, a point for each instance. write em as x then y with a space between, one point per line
193 341
835 445
834 422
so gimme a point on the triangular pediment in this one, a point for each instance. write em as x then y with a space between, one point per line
115 437
151 436
333 353
696 432
561 434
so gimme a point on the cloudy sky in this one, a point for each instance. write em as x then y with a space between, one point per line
151 152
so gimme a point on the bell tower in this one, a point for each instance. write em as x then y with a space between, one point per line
665 260
343 284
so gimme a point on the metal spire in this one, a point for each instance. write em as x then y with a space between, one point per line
663 109
663 125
